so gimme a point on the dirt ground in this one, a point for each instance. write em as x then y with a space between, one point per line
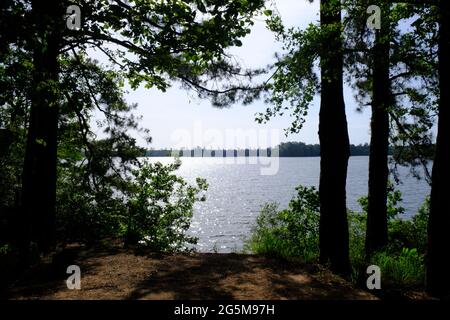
127 274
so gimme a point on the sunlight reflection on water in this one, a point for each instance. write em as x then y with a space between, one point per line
237 192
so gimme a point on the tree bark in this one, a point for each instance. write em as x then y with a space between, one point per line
39 171
377 229
334 142
438 279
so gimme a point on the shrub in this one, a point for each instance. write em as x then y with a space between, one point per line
394 199
290 233
160 207
402 260
147 204
403 233
293 233
84 214
411 233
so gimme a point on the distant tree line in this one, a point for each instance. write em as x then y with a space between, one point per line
286 149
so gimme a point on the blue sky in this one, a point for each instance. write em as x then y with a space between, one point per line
177 118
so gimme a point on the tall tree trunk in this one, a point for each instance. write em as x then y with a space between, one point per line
438 279
377 230
39 172
334 142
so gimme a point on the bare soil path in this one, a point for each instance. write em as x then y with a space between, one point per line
127 274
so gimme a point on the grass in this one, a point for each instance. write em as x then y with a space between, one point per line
404 269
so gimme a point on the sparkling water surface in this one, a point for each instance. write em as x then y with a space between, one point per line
238 190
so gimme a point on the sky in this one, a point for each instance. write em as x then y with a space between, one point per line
179 119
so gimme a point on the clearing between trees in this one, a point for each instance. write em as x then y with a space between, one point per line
118 273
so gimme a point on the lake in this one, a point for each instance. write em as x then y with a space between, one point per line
238 190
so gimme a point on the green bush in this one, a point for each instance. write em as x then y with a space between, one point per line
403 233
147 204
293 233
86 214
290 233
410 233
160 207
394 199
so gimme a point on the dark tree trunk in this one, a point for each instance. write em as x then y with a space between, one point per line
377 230
39 172
334 142
438 278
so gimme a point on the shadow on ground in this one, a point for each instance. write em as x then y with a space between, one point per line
126 274
232 276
